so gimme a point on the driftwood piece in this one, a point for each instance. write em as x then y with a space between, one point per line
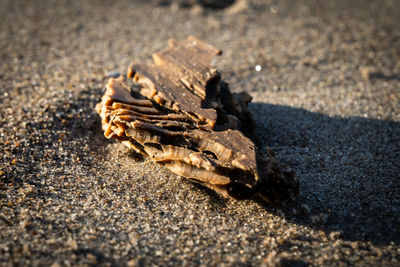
180 114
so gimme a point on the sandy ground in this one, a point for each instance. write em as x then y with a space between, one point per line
326 100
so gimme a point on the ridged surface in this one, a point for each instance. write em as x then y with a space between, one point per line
194 128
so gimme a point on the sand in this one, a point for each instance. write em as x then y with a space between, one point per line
326 100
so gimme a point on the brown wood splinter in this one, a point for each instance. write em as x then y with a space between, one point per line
179 113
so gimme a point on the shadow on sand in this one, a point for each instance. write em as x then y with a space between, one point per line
348 168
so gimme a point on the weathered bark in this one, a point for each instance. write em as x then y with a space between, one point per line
184 117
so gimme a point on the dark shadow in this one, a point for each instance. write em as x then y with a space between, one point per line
214 4
380 75
348 168
293 263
